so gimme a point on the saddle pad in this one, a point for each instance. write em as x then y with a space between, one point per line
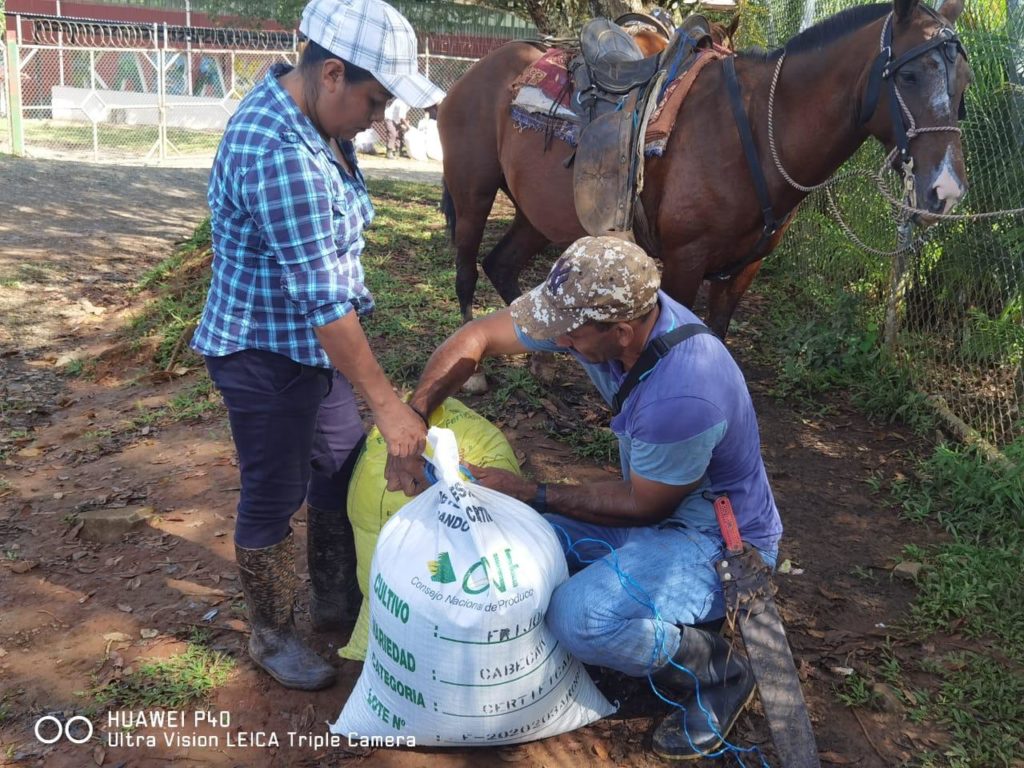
545 105
664 118
550 73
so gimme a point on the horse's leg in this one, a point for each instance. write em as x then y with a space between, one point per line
507 259
681 276
723 297
472 207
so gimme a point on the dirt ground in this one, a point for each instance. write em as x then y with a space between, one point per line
73 239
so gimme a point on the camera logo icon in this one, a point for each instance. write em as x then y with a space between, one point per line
50 730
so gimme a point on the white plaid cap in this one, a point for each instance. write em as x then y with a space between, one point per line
372 35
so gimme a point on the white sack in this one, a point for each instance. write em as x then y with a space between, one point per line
459 654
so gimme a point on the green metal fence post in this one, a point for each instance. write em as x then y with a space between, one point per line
14 96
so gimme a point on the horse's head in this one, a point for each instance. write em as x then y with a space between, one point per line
915 98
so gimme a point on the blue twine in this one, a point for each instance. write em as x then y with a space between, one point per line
640 595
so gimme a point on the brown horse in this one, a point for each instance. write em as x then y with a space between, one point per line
699 196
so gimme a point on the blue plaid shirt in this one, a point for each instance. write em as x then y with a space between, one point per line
287 225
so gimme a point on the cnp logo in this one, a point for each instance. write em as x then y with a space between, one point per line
50 729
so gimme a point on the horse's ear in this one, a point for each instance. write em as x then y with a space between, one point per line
904 8
950 9
733 26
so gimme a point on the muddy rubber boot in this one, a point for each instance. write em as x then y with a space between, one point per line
726 686
268 581
331 554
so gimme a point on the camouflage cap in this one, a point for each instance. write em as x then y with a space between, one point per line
597 278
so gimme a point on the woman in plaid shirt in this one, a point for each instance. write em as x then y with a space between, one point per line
280 331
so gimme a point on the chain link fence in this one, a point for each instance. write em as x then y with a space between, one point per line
110 91
951 309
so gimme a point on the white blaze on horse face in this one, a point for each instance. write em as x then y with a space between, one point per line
938 99
948 187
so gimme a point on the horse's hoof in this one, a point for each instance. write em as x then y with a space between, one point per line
476 384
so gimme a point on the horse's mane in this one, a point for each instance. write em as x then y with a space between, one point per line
827 31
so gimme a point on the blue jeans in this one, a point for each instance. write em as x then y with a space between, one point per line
296 428
621 608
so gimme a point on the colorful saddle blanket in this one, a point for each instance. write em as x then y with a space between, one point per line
542 93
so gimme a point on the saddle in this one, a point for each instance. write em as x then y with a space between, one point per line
615 90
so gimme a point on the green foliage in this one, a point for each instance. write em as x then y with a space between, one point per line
185 679
855 691
594 443
981 702
178 285
974 582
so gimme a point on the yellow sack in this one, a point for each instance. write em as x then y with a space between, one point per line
370 504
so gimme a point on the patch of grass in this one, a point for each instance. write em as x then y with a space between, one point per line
125 140
179 284
194 401
75 368
516 383
186 678
855 691
981 702
967 582
594 443
98 434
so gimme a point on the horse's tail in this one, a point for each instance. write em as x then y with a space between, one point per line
448 208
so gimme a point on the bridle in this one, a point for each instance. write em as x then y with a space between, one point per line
904 126
885 68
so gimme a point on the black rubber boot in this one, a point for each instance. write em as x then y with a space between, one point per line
268 581
726 686
331 553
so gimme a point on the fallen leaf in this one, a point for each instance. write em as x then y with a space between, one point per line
98 755
23 566
2 653
117 637
148 634
844 671
195 590
511 755
124 607
134 583
600 750
29 453
828 593
86 596
836 759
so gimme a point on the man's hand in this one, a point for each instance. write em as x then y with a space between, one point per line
504 481
402 429
405 475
